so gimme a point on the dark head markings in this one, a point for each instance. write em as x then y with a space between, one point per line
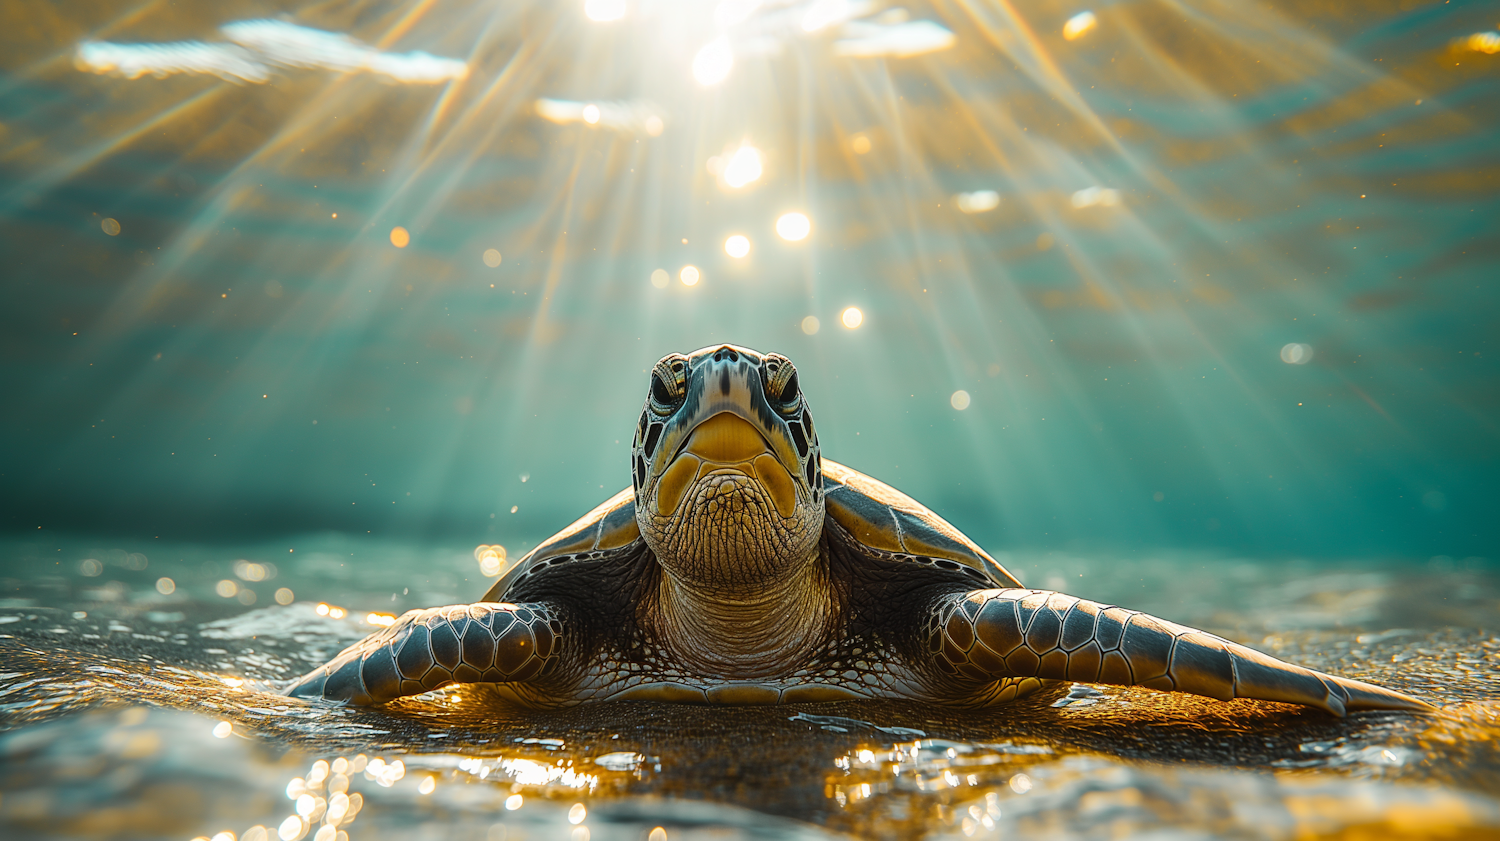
799 437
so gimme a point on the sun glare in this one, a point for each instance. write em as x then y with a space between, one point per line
712 63
604 11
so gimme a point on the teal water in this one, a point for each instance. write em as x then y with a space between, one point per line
1193 312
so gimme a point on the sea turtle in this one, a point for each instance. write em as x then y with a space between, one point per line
741 567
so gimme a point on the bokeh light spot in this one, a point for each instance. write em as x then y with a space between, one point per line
810 325
689 275
743 167
852 318
654 125
860 144
660 279
1079 25
1095 197
513 802
959 400
591 114
793 227
491 559
284 595
226 589
110 226
247 571
979 201
166 586
737 246
492 257
1296 353
223 729
400 237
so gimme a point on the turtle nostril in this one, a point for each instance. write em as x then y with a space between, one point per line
726 354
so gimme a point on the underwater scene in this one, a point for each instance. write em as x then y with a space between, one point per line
316 312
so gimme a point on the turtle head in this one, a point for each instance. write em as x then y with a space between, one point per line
728 482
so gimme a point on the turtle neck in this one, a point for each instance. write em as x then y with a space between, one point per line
741 634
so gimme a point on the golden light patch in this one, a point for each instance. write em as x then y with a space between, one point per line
864 530
744 694
614 538
673 693
815 693
674 483
727 439
778 483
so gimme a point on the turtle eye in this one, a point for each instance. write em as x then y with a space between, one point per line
667 381
780 378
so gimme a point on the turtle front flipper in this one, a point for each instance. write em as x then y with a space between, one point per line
985 635
425 649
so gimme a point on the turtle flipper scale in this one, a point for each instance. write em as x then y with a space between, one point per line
1014 633
487 642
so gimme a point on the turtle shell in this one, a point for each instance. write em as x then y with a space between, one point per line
874 513
883 518
611 525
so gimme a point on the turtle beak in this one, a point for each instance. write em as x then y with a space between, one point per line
724 444
726 438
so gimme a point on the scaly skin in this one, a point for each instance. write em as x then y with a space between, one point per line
989 634
426 649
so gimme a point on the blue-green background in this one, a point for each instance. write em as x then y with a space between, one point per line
1279 181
